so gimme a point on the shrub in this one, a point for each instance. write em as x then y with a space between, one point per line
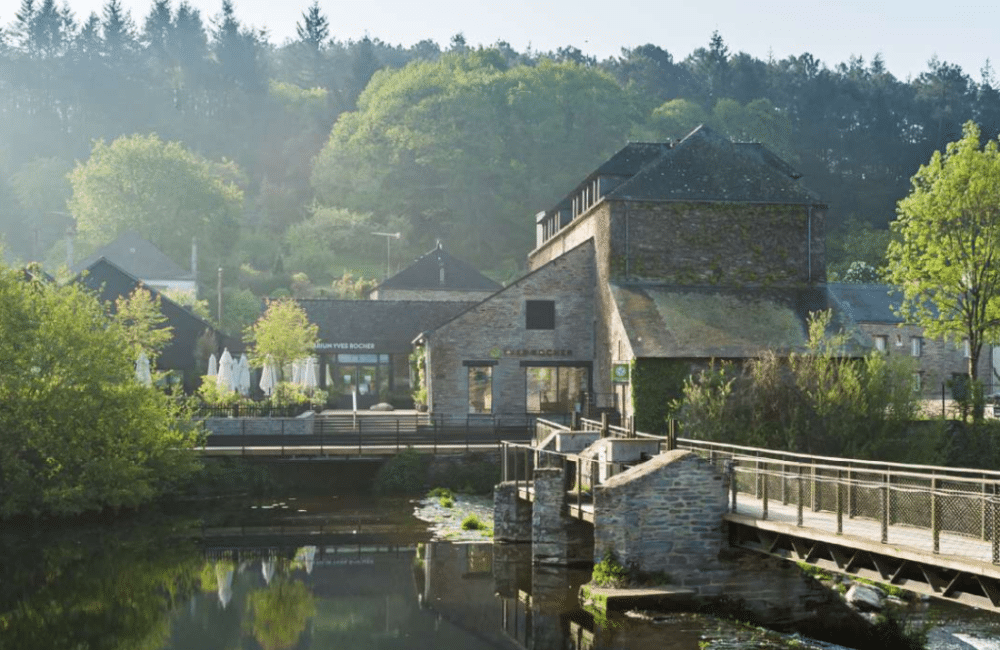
609 572
472 522
405 473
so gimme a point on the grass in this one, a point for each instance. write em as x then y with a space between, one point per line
472 522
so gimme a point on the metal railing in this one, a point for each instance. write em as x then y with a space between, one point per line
943 510
250 410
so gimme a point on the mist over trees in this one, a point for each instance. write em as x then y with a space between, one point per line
323 140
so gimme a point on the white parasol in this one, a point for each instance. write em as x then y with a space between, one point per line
224 582
225 379
213 366
267 379
309 380
267 569
142 373
243 375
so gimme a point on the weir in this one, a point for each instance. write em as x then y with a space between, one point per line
707 516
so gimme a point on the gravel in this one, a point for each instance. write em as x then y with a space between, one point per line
446 523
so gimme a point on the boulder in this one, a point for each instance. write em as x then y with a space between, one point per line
864 598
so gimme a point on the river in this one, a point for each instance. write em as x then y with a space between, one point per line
329 572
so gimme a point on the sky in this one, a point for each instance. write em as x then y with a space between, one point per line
907 33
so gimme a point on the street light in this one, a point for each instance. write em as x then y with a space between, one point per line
389 236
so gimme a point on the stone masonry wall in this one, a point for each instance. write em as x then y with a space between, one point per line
720 244
556 538
494 332
664 515
938 359
511 516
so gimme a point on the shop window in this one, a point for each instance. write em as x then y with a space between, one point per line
480 389
554 389
540 314
916 346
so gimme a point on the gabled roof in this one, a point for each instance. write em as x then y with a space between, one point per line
390 325
706 166
425 274
868 303
669 321
137 257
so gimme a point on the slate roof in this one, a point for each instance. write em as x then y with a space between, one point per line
425 274
391 325
137 257
868 303
109 282
669 321
706 166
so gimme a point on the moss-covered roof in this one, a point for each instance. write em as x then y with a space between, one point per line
669 321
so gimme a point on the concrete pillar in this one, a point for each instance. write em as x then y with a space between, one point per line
511 516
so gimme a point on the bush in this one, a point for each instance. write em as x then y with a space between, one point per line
472 522
609 572
405 473
446 502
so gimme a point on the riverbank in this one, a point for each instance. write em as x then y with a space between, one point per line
446 520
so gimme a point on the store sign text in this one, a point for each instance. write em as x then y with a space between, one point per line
537 353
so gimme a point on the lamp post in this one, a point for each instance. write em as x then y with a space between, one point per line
389 236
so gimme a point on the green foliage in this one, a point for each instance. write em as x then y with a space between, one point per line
160 189
282 335
446 502
404 473
472 522
240 309
80 433
440 492
418 370
817 402
143 324
856 252
946 260
655 384
609 572
470 145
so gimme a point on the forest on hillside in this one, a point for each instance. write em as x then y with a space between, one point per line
284 159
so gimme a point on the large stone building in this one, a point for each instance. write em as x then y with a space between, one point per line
664 257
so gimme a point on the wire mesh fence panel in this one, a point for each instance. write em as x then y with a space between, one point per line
910 501
962 508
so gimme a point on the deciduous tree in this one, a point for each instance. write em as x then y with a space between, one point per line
282 335
946 259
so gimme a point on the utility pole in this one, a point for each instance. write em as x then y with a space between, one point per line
220 297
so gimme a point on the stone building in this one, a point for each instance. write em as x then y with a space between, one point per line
874 307
664 257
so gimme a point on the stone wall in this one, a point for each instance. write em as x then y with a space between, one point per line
938 360
511 516
664 515
494 332
301 425
727 244
556 538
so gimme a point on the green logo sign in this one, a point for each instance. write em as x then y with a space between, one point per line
619 373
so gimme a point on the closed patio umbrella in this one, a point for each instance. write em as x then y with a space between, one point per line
225 379
142 373
213 366
309 381
267 379
243 376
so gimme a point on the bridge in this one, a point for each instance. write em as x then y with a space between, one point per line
364 434
930 530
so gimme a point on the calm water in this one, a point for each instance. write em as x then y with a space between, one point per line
325 573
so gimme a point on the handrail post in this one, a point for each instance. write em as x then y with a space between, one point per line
604 424
983 510
996 528
763 511
466 434
732 483
885 509
813 487
850 492
798 488
358 425
579 488
840 504
935 515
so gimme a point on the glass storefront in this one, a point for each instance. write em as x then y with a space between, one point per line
555 389
480 389
371 375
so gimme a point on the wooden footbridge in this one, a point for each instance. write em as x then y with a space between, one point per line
930 530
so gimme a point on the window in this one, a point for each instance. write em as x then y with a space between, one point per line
881 342
540 314
554 389
480 389
916 346
918 382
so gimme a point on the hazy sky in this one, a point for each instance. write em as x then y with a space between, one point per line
906 32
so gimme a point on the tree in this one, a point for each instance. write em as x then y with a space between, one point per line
946 257
282 335
80 433
161 190
143 324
